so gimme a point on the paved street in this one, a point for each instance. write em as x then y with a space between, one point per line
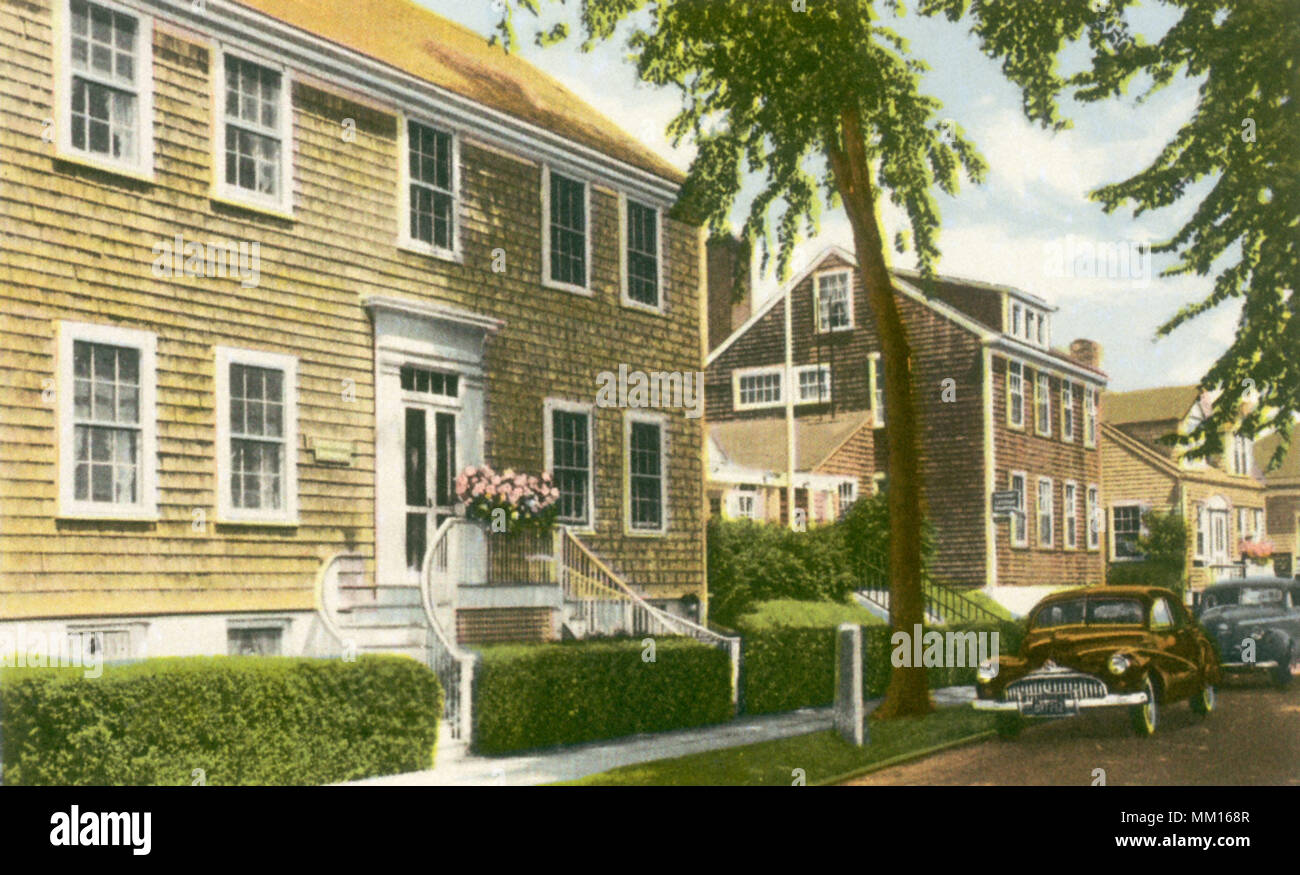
1252 738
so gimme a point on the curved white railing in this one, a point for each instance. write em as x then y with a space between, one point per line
326 638
454 667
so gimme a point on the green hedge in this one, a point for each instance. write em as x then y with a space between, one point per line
242 720
785 669
539 695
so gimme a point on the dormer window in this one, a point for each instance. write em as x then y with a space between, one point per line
1242 447
1030 325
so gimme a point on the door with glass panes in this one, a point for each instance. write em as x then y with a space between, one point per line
430 461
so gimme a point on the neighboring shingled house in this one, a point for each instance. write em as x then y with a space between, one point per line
1222 498
282 270
1000 410
1282 500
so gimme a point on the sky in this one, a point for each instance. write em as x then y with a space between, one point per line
1029 225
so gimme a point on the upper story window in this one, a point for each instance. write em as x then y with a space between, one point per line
106 97
758 387
834 301
256 436
642 256
1017 317
814 384
254 147
107 421
1126 529
1070 514
1043 404
1015 394
565 243
1089 417
1242 447
876 377
1029 324
430 189
1067 411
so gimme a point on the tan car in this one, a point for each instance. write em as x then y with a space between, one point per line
1131 647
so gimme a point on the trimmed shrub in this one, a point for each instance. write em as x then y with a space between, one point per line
785 669
242 720
538 695
792 614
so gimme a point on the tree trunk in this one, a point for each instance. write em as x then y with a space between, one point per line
908 693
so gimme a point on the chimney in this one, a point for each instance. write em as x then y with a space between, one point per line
1086 352
730 294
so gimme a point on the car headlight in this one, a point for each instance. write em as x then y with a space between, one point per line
1118 663
1223 628
1256 633
987 671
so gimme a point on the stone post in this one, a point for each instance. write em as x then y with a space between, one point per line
850 714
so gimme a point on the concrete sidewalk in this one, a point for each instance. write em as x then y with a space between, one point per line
456 768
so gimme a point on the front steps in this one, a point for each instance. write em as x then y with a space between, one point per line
382 619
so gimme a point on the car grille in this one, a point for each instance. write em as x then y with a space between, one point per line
1073 686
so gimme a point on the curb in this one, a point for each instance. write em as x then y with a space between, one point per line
905 758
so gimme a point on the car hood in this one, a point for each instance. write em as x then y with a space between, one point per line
1236 614
1074 645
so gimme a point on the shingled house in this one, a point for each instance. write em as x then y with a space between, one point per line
1000 409
1222 498
1281 500
275 272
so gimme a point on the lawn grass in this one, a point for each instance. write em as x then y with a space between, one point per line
821 755
795 614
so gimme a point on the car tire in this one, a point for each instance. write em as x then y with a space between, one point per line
1145 718
1203 702
1008 725
1287 669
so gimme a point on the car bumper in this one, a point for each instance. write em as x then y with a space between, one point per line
1114 700
1248 666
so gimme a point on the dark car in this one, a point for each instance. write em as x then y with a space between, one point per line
1256 623
1131 647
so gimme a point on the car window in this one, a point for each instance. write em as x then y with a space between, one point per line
1220 596
1092 611
1161 618
1261 595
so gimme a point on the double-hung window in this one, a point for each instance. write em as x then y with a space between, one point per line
1126 528
257 412
107 422
254 148
646 445
876 377
1045 512
570 460
430 190
758 387
1015 394
1019 519
834 301
1092 516
814 384
1067 411
1043 404
1089 417
642 256
1070 514
106 96
565 244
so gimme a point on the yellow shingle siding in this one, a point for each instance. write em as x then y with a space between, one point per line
80 247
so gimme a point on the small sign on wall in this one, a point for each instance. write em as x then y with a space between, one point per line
1282 564
332 452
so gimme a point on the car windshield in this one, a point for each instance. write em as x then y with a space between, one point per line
1091 612
1248 596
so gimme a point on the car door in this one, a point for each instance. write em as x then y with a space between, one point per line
1180 647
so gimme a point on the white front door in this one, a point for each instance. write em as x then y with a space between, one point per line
1219 549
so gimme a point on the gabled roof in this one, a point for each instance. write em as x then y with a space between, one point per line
760 443
1150 405
410 38
1289 472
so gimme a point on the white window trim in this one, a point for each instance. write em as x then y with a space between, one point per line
1070 511
287 515
1110 535
1201 526
1019 543
754 372
1050 542
549 406
660 420
1017 319
1092 514
802 369
877 391
146 507
1043 400
627 301
404 238
283 205
549 283
817 299
734 498
1067 408
1011 421
143 166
